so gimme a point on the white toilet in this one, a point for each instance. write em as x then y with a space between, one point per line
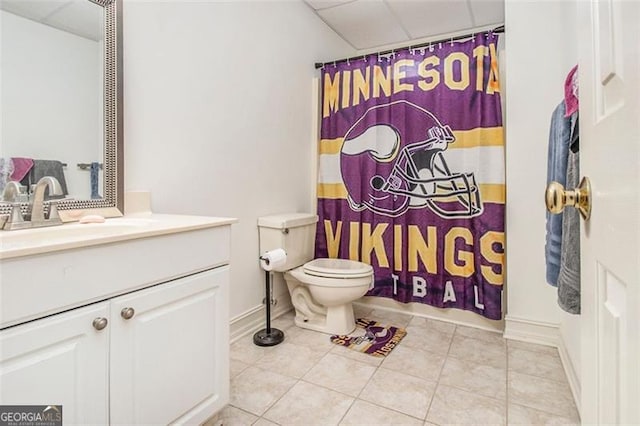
322 289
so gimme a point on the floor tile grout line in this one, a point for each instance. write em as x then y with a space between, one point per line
563 382
261 416
551 413
376 368
522 403
440 373
347 411
276 401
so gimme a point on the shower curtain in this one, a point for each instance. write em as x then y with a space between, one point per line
411 173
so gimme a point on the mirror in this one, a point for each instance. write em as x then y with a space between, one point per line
61 101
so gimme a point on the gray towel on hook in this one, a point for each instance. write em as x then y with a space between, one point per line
42 168
559 140
569 277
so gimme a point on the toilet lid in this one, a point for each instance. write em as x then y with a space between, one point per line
337 268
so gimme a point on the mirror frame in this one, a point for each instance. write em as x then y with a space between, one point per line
112 203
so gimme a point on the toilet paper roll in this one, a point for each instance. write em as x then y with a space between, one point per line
272 260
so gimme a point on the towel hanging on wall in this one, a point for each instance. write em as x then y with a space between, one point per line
571 92
94 175
569 276
559 140
42 168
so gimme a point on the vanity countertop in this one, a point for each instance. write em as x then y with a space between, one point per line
75 235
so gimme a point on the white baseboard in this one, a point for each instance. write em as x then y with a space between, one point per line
571 373
543 333
254 319
455 316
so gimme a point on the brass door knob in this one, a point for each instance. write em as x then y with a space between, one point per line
557 198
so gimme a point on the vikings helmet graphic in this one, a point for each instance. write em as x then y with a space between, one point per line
392 160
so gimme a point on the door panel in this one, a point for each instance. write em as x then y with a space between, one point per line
609 40
58 360
172 352
612 320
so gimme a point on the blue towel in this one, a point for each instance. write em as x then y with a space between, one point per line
559 141
95 178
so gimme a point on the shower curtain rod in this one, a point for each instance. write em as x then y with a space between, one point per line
499 29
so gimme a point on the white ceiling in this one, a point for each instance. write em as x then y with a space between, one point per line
364 24
367 24
79 17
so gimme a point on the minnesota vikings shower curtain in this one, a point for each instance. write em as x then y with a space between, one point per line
411 173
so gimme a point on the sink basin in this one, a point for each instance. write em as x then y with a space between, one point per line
75 235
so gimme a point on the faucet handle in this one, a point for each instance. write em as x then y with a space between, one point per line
15 220
16 213
13 191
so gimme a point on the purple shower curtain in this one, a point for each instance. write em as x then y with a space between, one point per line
411 175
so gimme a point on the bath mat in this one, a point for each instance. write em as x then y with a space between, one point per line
371 338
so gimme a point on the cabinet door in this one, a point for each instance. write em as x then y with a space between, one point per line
61 359
169 361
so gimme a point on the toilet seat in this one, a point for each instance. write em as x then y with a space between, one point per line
337 268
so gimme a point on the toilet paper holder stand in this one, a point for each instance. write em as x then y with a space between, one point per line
268 336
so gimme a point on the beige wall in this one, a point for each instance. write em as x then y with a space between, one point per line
219 113
541 48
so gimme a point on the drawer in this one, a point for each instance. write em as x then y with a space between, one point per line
35 286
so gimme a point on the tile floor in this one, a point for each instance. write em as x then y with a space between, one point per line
439 374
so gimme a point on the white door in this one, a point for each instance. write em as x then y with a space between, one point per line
169 351
60 360
609 56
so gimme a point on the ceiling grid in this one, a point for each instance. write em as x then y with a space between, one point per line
368 24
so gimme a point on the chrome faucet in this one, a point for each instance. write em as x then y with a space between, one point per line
36 218
11 195
37 205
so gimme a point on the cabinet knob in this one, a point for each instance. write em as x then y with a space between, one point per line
100 323
127 313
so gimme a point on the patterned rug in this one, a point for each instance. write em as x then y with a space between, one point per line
371 338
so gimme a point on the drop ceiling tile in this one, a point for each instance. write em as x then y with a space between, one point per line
364 23
79 17
426 18
32 9
323 4
487 12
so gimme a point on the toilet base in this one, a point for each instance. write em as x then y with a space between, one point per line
324 304
338 320
262 338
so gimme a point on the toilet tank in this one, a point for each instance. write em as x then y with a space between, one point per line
293 232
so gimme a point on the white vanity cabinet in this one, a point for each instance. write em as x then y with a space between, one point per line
171 357
62 359
151 351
